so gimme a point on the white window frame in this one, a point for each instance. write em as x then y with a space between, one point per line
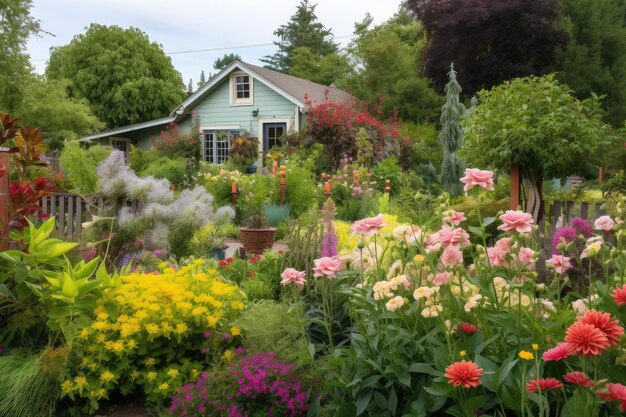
234 101
215 130
118 139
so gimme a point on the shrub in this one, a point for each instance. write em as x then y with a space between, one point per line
79 165
173 170
156 331
253 385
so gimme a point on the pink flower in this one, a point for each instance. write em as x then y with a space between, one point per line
327 267
454 217
578 378
517 221
559 352
448 236
442 278
544 384
468 328
497 256
292 276
604 223
619 295
451 256
560 263
369 225
526 257
475 177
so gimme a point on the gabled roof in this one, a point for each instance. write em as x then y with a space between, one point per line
292 88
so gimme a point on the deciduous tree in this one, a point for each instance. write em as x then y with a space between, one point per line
125 77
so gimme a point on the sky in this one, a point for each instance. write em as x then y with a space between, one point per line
224 26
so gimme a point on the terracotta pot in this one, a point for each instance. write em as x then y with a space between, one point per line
256 241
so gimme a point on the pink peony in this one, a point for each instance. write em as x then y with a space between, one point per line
327 267
293 276
475 177
442 278
604 223
516 221
497 257
560 263
451 256
369 225
448 236
454 217
526 256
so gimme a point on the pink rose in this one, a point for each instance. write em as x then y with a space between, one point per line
442 278
454 217
327 266
448 236
516 221
604 223
560 263
527 256
474 177
497 256
451 256
292 276
432 243
369 226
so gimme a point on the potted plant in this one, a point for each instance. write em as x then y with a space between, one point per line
256 236
244 152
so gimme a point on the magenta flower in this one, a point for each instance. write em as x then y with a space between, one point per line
369 225
475 177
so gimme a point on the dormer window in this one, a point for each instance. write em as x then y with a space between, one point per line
241 90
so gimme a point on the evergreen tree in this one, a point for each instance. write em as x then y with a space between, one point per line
303 30
202 79
190 87
451 135
226 60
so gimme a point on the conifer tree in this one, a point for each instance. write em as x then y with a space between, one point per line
202 79
190 87
451 135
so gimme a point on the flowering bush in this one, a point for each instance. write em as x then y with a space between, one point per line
172 143
252 385
156 331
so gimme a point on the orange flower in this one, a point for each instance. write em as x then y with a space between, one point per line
619 295
586 339
465 373
611 329
534 385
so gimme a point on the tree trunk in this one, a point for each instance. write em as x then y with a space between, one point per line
535 204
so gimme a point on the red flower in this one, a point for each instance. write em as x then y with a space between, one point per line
586 339
43 216
602 321
468 328
618 392
534 385
229 260
559 352
222 263
619 295
578 378
255 258
40 183
465 373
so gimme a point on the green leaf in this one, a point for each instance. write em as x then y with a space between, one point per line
476 230
487 221
4 291
113 309
57 249
424 368
69 332
363 401
393 401
21 273
439 389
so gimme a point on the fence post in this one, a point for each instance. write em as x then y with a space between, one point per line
5 196
283 184
233 193
514 188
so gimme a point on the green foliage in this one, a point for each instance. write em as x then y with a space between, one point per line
537 124
223 62
126 78
29 385
16 25
301 191
388 58
276 214
324 70
80 164
174 170
451 135
387 170
426 147
278 327
303 29
304 241
252 201
594 59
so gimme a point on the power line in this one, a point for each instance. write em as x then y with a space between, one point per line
224 48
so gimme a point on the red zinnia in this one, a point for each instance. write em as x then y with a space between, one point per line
559 352
534 385
586 339
618 392
465 373
619 295
611 329
579 379
468 328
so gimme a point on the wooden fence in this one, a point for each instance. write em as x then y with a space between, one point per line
561 213
72 210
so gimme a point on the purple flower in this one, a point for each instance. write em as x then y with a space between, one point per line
207 334
159 253
582 227
565 234
329 243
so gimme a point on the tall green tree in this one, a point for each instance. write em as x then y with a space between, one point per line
226 60
537 124
386 63
594 60
16 25
125 78
451 135
323 70
302 30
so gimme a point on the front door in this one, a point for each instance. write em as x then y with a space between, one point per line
272 133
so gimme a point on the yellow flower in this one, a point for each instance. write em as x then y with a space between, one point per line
84 334
99 325
164 386
118 346
212 321
228 354
535 346
162 265
418 259
172 372
195 373
80 381
66 386
237 305
181 328
150 361
152 328
524 354
235 331
103 316
107 376
462 353
101 392
151 375
131 344
198 311
134 375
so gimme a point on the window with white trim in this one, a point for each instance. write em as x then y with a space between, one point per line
216 144
241 92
